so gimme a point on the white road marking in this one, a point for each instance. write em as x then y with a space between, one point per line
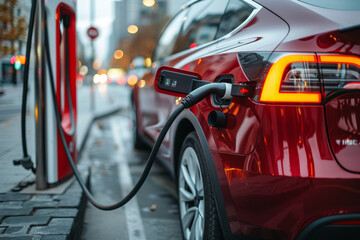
132 211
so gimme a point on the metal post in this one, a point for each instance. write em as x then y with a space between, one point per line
40 112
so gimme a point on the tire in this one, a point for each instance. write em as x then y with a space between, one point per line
137 140
197 209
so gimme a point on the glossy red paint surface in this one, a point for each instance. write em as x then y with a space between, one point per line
316 29
344 129
278 165
274 207
299 148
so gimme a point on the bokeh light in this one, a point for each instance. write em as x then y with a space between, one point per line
97 64
132 29
121 80
102 71
103 78
149 3
132 80
118 54
148 62
141 83
96 78
83 70
116 75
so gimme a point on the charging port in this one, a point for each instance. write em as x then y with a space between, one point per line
218 101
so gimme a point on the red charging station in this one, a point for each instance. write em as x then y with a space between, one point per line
51 161
66 71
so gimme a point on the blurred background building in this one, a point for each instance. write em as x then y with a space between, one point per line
14 15
136 28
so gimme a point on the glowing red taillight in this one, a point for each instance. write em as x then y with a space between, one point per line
295 78
339 73
292 78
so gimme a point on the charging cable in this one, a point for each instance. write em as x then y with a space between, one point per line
25 161
221 89
191 99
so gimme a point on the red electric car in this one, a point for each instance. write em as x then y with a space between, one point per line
286 162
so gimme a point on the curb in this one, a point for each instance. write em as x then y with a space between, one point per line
76 228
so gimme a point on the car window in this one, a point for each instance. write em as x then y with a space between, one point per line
236 13
169 35
201 24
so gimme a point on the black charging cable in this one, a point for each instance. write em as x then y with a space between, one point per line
191 99
26 161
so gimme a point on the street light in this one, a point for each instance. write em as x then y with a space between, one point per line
17 65
132 29
149 3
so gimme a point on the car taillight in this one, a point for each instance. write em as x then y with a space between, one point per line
292 79
340 73
295 78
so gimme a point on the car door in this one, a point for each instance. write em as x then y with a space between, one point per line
198 31
149 104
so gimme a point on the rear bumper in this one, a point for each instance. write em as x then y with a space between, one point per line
323 229
282 208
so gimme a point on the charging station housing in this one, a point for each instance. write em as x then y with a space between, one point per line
51 161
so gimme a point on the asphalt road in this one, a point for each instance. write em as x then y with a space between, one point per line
115 168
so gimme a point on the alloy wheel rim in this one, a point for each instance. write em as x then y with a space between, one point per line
191 196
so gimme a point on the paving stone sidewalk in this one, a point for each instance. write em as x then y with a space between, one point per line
39 217
52 215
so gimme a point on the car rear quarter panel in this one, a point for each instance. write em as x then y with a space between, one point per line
314 29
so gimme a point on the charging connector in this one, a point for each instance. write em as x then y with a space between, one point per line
221 89
25 162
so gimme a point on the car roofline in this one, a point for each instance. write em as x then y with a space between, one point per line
188 4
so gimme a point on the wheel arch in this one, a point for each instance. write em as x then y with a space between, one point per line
186 123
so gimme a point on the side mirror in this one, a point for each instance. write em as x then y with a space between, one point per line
176 82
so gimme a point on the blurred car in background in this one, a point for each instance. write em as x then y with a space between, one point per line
137 67
286 163
136 71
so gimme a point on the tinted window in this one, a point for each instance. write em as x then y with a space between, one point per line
236 13
168 37
335 4
201 24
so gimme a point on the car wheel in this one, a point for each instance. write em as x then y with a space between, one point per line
197 209
138 142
